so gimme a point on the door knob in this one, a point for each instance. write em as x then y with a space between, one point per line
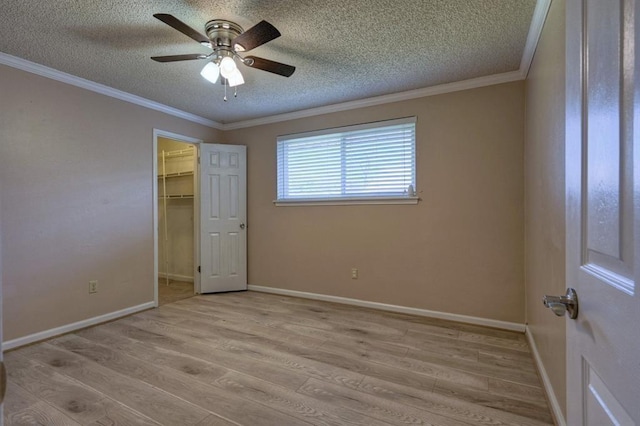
242 226
563 304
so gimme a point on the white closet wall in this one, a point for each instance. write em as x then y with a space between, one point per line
175 188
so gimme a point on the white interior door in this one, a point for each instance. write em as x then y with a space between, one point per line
603 212
223 212
3 374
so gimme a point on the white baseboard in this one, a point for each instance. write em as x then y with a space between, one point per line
551 395
176 277
42 335
393 308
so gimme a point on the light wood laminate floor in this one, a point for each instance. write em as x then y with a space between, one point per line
257 359
174 291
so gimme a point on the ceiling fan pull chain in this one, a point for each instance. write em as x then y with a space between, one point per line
225 93
235 92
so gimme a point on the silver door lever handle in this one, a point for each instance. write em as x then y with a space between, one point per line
563 304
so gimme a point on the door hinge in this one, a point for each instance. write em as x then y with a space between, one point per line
198 269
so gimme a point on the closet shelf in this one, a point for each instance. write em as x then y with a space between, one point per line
176 174
178 153
176 196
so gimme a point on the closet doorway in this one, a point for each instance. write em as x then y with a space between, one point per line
176 212
200 236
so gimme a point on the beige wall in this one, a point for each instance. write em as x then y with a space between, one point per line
76 173
545 200
459 251
77 205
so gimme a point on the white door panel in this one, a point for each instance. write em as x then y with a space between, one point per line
3 374
603 212
223 212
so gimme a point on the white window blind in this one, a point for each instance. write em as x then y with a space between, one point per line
374 160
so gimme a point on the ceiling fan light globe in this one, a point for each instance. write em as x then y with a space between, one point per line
227 66
235 79
211 72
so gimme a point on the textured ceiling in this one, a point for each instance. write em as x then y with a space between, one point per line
344 50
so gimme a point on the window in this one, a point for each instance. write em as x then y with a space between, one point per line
367 163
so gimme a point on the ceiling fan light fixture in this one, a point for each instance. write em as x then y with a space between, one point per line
226 39
235 79
227 66
211 72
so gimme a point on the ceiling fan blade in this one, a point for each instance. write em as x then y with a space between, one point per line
177 24
174 58
270 66
255 36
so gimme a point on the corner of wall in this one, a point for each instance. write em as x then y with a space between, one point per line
544 222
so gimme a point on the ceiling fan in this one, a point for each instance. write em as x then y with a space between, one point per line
227 39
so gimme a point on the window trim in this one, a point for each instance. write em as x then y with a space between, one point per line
346 201
357 200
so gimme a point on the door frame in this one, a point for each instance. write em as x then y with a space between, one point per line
3 374
157 133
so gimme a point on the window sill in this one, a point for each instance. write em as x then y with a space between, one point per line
345 201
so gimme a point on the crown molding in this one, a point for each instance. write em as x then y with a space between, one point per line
472 83
535 31
63 77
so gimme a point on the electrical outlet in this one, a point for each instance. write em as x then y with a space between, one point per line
93 286
354 273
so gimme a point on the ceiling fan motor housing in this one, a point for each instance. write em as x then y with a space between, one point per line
226 39
221 33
